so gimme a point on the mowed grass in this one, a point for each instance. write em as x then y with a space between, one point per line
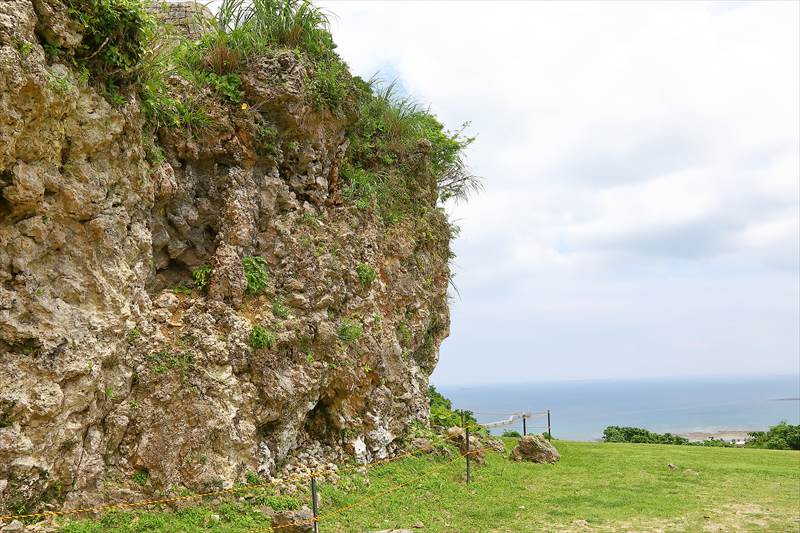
595 487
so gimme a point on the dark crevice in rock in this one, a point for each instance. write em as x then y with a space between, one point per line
319 421
5 208
176 273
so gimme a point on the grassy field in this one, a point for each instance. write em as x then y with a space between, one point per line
595 487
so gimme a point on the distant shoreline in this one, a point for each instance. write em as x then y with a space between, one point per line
734 435
738 436
697 409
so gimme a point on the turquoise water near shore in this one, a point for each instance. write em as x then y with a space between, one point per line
580 410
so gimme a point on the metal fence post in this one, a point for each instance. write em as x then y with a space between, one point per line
549 431
524 426
314 503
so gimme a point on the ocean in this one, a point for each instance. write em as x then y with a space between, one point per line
580 410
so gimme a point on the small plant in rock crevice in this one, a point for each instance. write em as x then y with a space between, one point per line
267 139
404 333
349 331
6 417
60 83
202 276
166 360
182 289
23 47
279 309
228 85
366 274
260 337
256 274
141 477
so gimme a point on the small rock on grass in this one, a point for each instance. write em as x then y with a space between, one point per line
15 525
299 521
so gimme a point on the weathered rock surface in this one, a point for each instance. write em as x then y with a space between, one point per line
495 444
300 521
106 373
536 449
476 450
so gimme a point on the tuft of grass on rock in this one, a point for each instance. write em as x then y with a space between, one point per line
349 331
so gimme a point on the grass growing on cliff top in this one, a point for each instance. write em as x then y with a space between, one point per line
390 131
602 486
400 156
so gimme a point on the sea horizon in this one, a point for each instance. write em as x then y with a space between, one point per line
581 409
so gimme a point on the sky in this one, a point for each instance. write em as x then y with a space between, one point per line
641 162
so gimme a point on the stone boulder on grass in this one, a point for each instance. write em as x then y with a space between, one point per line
536 449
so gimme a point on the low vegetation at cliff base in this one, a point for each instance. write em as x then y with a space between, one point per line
595 486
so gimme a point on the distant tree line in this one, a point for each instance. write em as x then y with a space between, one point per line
631 434
781 437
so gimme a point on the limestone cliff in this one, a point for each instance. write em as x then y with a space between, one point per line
135 357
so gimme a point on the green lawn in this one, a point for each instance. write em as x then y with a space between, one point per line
595 487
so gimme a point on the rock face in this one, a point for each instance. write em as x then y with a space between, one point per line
189 18
536 449
112 383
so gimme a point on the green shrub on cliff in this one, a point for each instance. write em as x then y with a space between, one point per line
442 413
116 35
397 149
329 85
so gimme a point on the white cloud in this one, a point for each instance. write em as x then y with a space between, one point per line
619 141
